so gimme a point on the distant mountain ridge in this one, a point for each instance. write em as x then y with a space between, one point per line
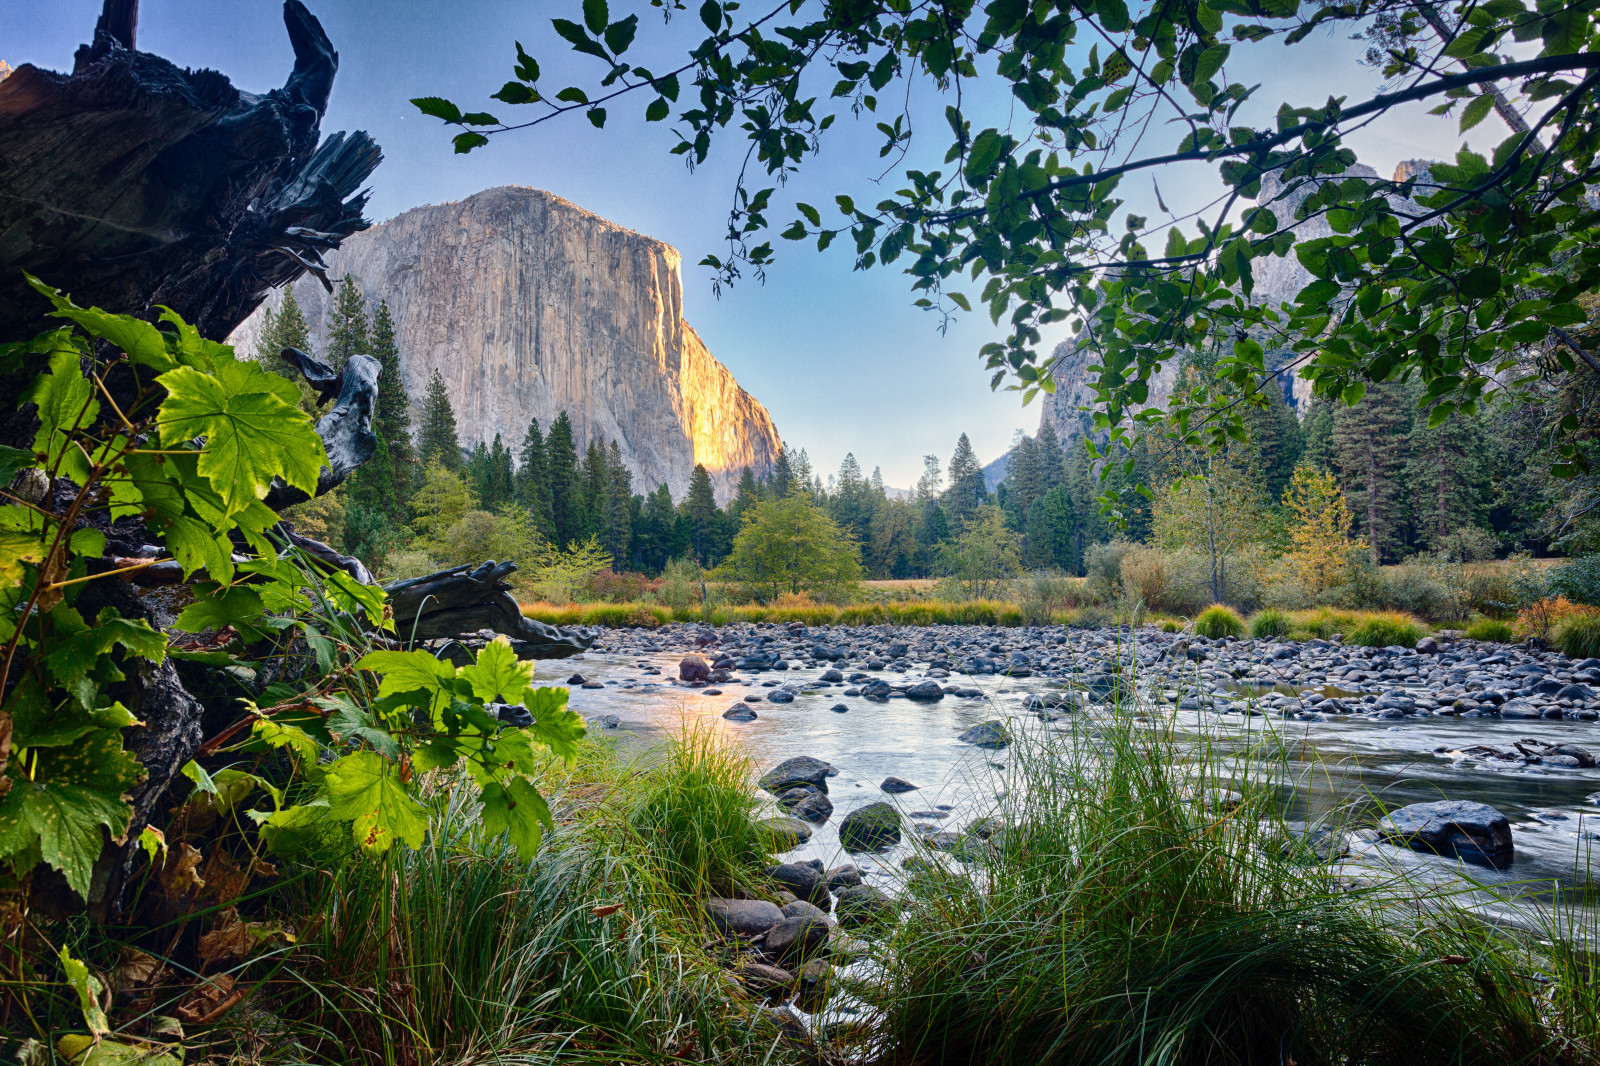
529 306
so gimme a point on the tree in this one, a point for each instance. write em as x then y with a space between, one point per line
1369 443
1320 534
1447 479
705 519
348 329
968 490
566 494
617 519
791 545
1436 275
745 497
780 481
985 555
440 501
533 480
436 438
1049 535
383 484
283 328
1274 442
1217 510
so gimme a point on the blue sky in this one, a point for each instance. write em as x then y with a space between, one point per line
841 359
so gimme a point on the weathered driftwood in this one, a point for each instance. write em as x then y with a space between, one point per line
133 183
465 599
346 430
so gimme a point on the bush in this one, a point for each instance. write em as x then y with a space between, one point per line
1092 617
1578 580
1103 564
1043 594
1269 623
1381 631
408 563
1579 636
1543 617
1169 626
1219 620
1495 630
608 586
678 581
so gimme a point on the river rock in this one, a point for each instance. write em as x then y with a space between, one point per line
925 691
785 833
740 712
896 785
801 909
693 668
800 770
1472 831
859 905
869 828
797 939
762 978
742 917
990 734
803 880
848 874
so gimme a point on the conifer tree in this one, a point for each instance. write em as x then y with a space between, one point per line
498 487
566 492
596 481
479 477
1317 430
384 483
700 507
656 528
967 491
780 482
348 329
533 481
1447 479
1369 447
436 438
1274 442
745 497
283 328
618 516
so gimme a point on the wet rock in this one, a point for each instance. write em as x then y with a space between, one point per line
797 939
800 770
693 668
604 721
848 874
801 909
926 691
577 679
814 980
803 880
780 695
1472 831
869 828
742 917
990 734
1428 646
785 833
740 712
896 785
839 708
859 905
814 808
762 978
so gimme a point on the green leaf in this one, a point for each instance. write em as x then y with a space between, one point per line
239 607
597 117
13 460
984 151
67 405
364 789
410 671
252 434
64 820
554 725
1480 282
1476 111
438 107
619 35
516 808
466 142
141 340
514 92
595 15
480 118
573 95
498 674
657 110
711 15
89 990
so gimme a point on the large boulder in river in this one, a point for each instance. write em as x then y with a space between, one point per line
925 690
806 882
693 668
800 770
1472 831
990 734
869 828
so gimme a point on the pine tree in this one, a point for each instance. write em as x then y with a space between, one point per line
700 507
745 497
479 476
657 521
348 328
781 481
384 482
1049 532
596 482
1369 442
436 437
1317 431
1447 479
618 518
566 493
967 491
499 483
533 481
1274 443
283 328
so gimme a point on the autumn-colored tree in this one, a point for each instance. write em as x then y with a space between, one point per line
1320 536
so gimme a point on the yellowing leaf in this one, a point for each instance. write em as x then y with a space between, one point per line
364 789
89 990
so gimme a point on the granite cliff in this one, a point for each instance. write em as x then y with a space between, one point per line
528 306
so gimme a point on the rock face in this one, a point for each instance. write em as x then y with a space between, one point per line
528 306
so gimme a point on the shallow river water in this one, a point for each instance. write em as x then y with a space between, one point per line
1339 761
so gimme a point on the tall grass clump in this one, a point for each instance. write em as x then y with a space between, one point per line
459 951
1270 623
1122 918
1579 636
1383 630
1496 630
1219 620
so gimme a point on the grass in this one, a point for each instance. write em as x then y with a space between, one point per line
1496 630
1269 623
909 612
1119 921
460 952
1385 629
1578 637
1219 620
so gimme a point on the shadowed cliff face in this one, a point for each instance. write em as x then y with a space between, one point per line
528 306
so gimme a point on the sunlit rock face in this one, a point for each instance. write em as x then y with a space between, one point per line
528 306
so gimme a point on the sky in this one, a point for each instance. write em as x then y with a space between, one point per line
840 358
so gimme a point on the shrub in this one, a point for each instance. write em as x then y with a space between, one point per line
1495 630
1269 623
1579 636
1219 620
608 586
1542 617
1381 631
620 615
408 563
1103 564
677 589
1169 626
1042 594
1091 617
1578 580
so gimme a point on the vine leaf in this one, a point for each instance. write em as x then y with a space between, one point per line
63 821
66 402
517 808
89 990
364 790
498 674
